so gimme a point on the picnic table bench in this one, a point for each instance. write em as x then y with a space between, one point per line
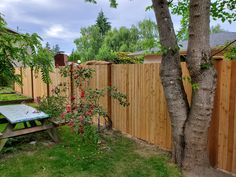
32 119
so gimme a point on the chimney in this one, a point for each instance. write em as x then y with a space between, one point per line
60 59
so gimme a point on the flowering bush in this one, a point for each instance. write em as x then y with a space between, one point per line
54 105
83 108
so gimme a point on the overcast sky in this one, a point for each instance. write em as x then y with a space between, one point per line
59 21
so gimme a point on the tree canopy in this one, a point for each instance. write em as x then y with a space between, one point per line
103 24
101 42
21 48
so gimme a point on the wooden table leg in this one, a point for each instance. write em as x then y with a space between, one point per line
53 134
9 128
2 143
52 131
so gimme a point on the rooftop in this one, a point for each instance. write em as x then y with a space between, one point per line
216 40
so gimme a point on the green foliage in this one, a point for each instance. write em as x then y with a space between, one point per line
122 39
195 86
86 106
43 61
102 23
89 43
224 10
231 53
181 7
23 48
216 29
74 56
54 105
125 58
148 34
100 42
113 3
106 54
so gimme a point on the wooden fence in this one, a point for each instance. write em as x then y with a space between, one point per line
147 116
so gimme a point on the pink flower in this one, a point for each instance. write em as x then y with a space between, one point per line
72 98
68 108
82 94
63 115
81 118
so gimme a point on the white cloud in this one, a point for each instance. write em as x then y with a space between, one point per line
58 31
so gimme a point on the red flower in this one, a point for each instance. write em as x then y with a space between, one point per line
81 118
72 98
68 108
63 115
82 94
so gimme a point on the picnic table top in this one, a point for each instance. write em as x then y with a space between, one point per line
21 113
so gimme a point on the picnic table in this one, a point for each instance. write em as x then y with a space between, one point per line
32 119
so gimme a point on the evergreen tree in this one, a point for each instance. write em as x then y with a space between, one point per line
102 23
48 46
56 49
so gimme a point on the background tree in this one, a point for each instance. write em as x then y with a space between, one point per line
148 34
47 46
216 29
122 39
102 23
89 43
56 49
74 56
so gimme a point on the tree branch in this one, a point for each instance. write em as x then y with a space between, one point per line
223 48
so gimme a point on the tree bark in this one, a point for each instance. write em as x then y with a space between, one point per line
202 73
189 126
171 76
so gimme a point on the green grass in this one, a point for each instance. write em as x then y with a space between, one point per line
10 97
6 90
116 156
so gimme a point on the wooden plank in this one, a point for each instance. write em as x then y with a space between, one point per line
234 147
20 132
214 126
231 128
224 114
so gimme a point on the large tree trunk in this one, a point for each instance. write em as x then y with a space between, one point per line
171 76
189 128
202 73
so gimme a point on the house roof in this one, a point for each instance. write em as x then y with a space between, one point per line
216 40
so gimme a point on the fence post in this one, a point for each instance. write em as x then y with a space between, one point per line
21 77
71 83
32 82
109 82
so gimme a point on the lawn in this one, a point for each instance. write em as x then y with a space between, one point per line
6 90
10 97
115 156
7 94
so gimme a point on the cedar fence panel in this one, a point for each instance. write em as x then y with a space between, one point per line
147 116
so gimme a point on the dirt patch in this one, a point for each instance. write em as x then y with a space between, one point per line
207 172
